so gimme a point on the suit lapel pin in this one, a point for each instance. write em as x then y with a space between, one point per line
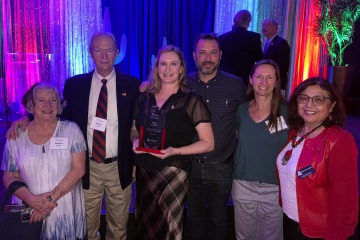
123 94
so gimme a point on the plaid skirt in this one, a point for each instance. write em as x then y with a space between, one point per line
160 198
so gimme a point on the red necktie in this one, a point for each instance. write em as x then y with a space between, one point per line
99 138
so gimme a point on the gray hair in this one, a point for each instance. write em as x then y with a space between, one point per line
242 18
102 34
273 22
28 99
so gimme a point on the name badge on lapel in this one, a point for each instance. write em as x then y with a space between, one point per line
304 172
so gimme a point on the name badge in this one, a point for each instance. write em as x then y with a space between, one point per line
306 171
98 124
61 143
281 125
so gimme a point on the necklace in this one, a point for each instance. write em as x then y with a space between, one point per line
295 143
259 116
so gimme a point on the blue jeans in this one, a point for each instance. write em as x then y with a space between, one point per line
209 189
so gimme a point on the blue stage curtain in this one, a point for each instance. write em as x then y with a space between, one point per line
146 23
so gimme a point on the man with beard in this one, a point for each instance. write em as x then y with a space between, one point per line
211 176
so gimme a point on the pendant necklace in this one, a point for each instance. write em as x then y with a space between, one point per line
295 143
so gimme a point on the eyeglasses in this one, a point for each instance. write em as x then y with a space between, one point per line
317 100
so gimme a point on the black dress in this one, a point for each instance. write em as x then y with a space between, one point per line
162 184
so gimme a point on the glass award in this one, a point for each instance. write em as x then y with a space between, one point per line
152 133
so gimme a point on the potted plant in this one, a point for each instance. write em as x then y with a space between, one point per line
334 25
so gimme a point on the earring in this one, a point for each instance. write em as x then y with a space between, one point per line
330 116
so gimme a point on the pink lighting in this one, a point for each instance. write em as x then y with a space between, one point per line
46 40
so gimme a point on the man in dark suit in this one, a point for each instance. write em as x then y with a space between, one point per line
111 174
277 49
240 48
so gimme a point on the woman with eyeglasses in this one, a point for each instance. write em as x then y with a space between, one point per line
318 168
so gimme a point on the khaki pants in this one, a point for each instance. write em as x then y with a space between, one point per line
104 178
257 213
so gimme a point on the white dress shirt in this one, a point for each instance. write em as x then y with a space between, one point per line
112 116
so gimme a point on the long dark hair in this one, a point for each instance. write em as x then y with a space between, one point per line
338 115
277 97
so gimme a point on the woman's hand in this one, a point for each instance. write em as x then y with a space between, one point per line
134 138
41 203
36 216
135 142
170 151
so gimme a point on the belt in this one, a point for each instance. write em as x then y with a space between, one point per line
107 160
203 162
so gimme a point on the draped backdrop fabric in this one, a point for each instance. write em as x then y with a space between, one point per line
295 18
148 23
47 40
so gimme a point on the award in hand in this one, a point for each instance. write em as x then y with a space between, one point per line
152 134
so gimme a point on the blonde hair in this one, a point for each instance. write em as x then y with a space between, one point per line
154 78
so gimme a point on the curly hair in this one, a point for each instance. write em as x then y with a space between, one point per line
338 115
28 100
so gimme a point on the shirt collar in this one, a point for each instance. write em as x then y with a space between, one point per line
211 80
109 77
270 39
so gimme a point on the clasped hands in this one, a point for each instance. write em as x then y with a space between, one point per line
41 205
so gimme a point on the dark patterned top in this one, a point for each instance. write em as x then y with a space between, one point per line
223 95
184 111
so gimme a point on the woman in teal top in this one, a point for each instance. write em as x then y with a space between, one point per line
262 127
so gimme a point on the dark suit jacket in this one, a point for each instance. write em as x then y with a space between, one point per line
240 50
279 51
76 94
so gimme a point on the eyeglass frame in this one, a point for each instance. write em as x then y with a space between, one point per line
312 99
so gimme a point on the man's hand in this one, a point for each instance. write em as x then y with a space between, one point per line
134 174
22 123
144 86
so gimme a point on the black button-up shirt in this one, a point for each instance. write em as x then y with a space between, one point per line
223 95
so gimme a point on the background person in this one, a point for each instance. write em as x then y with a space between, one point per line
52 172
241 48
277 49
262 128
318 168
162 179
